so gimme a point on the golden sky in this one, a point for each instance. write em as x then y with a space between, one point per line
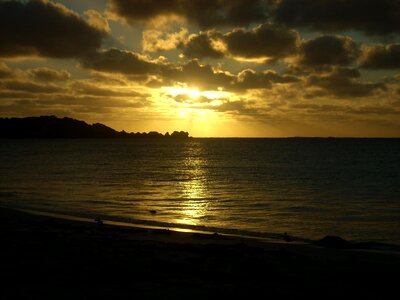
215 68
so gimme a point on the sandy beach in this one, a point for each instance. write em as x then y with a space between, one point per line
49 258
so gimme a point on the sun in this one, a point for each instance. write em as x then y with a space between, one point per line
193 93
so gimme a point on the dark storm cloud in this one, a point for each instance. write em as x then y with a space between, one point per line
120 61
43 28
266 40
204 13
374 17
344 82
381 57
49 75
329 50
201 46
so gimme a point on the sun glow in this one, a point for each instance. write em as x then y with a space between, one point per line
192 108
176 91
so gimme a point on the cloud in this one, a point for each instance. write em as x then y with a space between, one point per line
30 87
87 101
381 57
158 73
266 40
7 95
68 104
375 110
100 78
121 61
164 33
329 50
83 88
43 28
261 42
205 77
97 20
277 78
347 109
373 17
206 14
238 106
5 71
343 82
49 75
250 79
183 98
202 45
45 82
156 40
240 109
44 91
200 76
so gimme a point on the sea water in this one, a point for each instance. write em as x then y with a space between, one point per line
304 187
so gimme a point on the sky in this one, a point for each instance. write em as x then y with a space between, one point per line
215 68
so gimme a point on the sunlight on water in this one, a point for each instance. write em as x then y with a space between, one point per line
193 206
194 190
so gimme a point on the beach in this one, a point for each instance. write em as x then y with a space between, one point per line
51 258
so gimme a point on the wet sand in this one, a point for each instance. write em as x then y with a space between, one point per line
49 258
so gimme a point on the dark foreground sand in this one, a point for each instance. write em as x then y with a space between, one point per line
47 258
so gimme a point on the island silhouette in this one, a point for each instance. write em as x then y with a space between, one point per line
51 127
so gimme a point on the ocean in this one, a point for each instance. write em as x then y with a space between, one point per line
305 187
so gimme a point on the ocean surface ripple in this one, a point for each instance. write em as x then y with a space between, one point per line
305 187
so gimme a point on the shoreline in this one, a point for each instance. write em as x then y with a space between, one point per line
156 225
269 237
49 257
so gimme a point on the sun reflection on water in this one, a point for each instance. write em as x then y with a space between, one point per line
194 191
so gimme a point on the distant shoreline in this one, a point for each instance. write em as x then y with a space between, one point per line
52 127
